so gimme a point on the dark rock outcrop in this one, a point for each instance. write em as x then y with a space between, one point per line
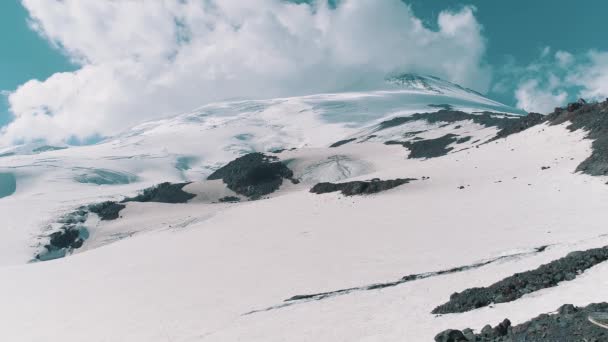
229 199
429 148
520 124
592 117
108 210
508 124
342 142
487 119
163 193
519 284
253 175
570 323
71 235
360 187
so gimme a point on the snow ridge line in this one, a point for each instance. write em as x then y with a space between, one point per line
298 299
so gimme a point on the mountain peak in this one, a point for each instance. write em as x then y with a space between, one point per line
427 83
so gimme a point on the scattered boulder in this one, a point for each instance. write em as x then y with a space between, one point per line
519 284
570 323
253 175
360 187
450 336
229 199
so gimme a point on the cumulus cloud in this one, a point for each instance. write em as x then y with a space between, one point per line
532 97
141 60
564 58
554 79
591 76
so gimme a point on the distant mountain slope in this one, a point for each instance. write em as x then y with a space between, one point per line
357 216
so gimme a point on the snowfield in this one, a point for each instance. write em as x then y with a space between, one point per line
210 271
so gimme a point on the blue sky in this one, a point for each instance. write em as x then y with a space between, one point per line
521 29
531 54
24 54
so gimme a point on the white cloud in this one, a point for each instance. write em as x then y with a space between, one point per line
564 58
592 76
532 97
552 81
144 59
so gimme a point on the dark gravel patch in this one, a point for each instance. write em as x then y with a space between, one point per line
463 140
519 284
360 187
592 117
163 193
429 148
569 323
342 142
487 119
229 199
108 210
253 175
518 125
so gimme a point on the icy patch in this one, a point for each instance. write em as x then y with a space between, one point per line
184 163
105 177
8 184
332 169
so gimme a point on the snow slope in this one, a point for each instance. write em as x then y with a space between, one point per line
205 271
51 181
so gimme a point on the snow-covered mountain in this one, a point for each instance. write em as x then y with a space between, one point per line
364 213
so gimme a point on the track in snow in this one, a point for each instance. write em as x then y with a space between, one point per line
298 299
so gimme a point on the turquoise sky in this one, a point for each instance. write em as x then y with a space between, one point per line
23 54
516 29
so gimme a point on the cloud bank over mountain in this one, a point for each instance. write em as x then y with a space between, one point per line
140 60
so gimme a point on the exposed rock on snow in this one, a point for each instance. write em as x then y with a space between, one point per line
519 284
69 236
229 199
254 175
108 210
342 142
487 119
163 193
519 124
408 278
429 148
569 323
592 117
360 187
